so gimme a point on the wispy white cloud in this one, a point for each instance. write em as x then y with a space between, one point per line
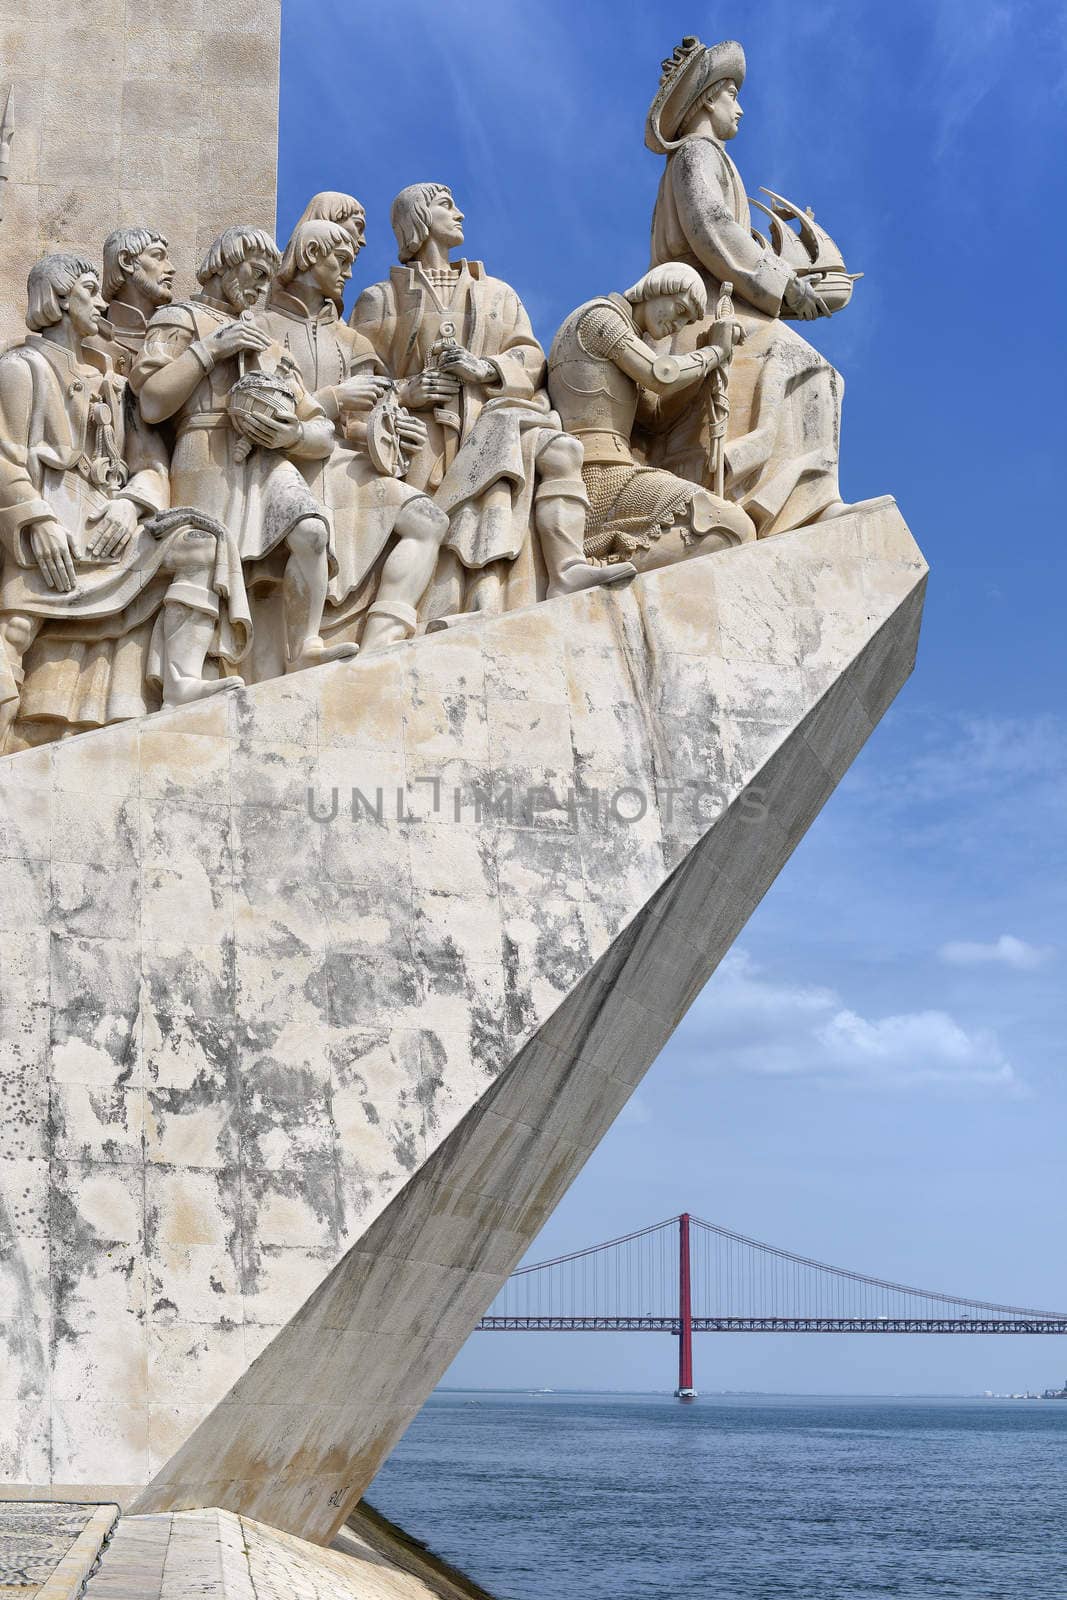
747 1022
976 47
956 781
1007 951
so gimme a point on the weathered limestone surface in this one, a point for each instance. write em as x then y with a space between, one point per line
220 1556
232 1034
129 111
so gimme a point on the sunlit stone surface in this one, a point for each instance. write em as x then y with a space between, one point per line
166 111
234 1036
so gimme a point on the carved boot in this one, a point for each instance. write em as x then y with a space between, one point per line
314 651
560 506
304 597
187 635
388 622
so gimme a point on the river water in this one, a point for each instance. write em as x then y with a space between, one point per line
613 1497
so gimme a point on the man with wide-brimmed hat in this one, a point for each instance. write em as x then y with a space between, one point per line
782 444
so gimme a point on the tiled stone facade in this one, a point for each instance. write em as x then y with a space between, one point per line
135 111
233 1034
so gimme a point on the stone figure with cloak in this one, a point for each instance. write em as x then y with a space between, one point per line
111 602
240 462
387 534
497 461
781 454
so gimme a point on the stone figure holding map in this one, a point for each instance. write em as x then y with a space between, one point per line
415 467
89 546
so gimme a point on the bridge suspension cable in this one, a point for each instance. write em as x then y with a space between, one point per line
686 1275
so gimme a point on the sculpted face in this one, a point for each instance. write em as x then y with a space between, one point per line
446 222
724 110
243 286
85 306
330 273
152 272
663 315
356 228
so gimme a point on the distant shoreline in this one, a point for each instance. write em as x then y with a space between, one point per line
728 1394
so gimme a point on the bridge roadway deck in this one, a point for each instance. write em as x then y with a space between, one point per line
653 1324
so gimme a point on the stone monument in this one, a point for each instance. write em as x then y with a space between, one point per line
398 729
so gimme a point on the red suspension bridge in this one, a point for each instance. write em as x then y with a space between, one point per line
686 1276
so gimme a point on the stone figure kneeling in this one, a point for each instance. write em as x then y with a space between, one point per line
90 551
605 378
194 354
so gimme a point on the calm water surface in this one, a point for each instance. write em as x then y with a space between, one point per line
618 1497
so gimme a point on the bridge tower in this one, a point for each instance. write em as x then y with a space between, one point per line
685 1390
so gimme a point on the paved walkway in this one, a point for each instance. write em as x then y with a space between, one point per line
215 1555
48 1548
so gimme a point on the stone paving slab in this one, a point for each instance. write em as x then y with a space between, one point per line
216 1555
48 1549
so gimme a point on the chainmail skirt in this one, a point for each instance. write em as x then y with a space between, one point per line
630 507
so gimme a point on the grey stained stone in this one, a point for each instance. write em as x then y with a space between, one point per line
290 1097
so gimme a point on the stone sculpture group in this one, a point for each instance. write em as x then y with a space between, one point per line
198 493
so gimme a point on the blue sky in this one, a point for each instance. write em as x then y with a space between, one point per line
875 1077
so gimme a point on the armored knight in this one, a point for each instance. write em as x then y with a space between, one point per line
602 375
90 551
460 345
782 445
240 465
387 534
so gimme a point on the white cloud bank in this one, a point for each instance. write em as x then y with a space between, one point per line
746 1023
1007 951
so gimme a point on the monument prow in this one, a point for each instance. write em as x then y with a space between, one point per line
401 717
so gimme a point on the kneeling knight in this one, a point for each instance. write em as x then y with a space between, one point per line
605 378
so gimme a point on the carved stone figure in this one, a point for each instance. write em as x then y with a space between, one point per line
138 279
387 534
602 373
88 544
194 353
329 205
496 459
782 447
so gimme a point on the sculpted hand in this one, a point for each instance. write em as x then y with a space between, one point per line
361 393
427 388
722 337
115 527
802 300
412 432
459 363
273 433
235 337
50 543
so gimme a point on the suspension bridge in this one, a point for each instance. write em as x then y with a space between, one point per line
686 1276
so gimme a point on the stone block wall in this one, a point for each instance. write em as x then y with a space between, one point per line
131 111
231 1035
